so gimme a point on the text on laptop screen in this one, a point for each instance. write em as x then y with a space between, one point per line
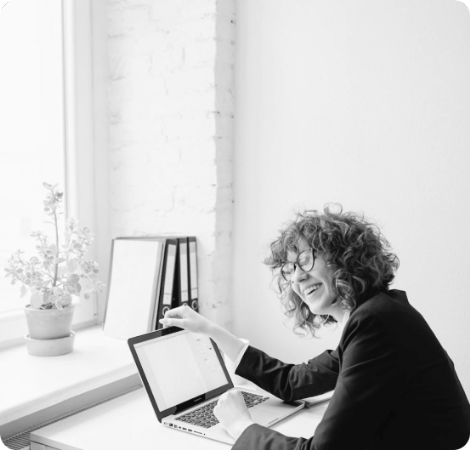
179 367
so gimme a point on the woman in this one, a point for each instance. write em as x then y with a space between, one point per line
394 385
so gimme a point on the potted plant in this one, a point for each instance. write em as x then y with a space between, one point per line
55 279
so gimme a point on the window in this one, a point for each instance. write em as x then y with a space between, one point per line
31 114
39 128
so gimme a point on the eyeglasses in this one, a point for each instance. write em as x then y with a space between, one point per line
305 260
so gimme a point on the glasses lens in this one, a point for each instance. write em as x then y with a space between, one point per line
306 260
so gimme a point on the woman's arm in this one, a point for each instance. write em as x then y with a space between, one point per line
185 317
230 345
288 381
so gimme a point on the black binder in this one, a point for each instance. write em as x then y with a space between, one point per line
176 275
193 284
183 272
166 299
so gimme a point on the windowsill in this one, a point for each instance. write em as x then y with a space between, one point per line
30 384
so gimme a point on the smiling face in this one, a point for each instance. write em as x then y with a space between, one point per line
315 287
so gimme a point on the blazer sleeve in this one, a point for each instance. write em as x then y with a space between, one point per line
370 382
288 381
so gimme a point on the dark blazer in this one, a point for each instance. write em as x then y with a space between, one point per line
395 386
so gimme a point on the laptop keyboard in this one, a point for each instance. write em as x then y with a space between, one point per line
204 416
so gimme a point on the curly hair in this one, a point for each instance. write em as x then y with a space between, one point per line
352 247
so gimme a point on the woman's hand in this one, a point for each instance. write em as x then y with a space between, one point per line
187 318
232 413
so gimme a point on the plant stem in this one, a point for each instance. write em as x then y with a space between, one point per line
56 266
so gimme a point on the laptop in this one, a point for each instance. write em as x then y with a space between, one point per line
184 375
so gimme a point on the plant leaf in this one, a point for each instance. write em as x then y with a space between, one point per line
36 300
53 249
72 265
73 279
66 300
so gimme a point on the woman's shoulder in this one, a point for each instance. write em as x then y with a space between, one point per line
391 313
383 303
386 309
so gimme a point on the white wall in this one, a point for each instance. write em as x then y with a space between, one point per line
365 103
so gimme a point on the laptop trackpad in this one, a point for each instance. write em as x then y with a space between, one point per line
272 411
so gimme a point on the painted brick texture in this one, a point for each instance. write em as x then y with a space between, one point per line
171 106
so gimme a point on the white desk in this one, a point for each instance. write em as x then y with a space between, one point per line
129 422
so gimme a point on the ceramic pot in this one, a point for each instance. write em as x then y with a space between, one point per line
50 347
49 323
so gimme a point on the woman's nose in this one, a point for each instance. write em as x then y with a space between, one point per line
299 274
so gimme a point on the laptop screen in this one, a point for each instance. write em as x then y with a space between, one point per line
179 367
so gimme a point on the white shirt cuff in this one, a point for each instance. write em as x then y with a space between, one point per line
240 356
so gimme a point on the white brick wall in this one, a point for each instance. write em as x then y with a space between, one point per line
171 129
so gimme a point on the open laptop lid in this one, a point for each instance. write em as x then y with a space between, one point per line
179 369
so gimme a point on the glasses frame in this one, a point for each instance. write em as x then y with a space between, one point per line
297 264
